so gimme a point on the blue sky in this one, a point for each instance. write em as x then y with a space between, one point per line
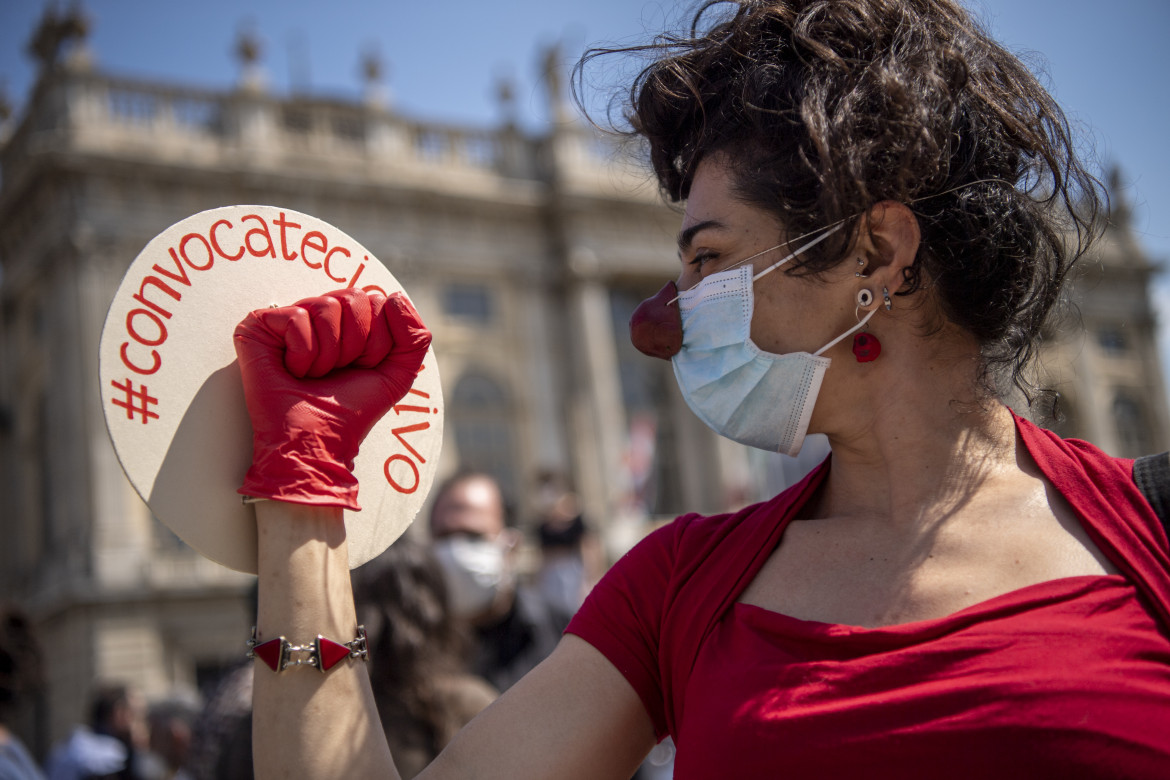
1107 67
1105 61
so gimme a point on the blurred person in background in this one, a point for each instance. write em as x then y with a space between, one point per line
570 556
112 746
20 673
171 723
418 654
221 738
221 734
514 627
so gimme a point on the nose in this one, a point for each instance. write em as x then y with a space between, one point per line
656 325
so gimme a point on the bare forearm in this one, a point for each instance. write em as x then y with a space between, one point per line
305 723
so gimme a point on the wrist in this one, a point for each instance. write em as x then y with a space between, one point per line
293 529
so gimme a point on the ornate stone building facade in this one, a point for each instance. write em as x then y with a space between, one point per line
1103 355
526 255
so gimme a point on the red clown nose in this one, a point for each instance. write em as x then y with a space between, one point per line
656 325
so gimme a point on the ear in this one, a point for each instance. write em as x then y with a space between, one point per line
888 241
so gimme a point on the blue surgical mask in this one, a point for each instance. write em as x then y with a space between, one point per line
750 396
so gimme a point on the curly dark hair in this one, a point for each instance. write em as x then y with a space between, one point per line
414 637
828 107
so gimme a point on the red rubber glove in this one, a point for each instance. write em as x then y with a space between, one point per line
317 376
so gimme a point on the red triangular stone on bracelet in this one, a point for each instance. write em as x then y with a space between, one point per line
329 653
269 652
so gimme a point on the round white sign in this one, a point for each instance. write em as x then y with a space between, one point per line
172 394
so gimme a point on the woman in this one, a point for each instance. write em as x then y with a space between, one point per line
418 671
953 593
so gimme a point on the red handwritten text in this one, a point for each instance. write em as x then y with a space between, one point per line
161 288
401 468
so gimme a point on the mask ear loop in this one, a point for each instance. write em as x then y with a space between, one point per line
804 248
801 250
828 232
846 334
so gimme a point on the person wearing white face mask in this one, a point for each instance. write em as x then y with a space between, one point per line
514 627
955 592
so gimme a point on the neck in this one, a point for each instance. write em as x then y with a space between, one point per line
912 446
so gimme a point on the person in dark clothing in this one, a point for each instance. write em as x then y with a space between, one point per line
571 558
515 628
20 672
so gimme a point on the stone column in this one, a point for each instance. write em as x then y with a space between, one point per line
599 417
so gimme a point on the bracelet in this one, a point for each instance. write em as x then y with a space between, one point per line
322 654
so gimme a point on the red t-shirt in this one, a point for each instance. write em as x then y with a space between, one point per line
1068 678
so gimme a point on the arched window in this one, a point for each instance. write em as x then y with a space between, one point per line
480 412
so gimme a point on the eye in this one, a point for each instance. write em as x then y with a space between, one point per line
702 258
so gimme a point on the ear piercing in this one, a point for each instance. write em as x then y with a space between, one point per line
886 299
864 299
866 347
858 273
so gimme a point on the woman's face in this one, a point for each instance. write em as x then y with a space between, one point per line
792 313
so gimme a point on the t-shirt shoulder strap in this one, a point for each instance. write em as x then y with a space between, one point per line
1152 476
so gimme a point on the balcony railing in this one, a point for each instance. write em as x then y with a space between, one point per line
97 113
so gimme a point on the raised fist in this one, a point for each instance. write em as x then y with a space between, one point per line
318 375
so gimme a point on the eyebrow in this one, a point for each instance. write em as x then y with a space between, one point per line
685 237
